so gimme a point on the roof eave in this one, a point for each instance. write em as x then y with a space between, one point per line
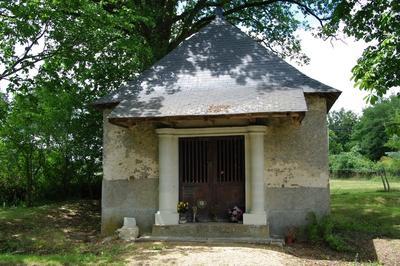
130 121
104 105
331 97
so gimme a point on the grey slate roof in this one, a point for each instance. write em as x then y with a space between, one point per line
217 71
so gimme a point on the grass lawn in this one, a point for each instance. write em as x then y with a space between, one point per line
68 233
361 206
363 213
56 234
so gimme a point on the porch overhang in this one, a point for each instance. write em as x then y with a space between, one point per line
252 118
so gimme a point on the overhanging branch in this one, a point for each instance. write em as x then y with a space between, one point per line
202 22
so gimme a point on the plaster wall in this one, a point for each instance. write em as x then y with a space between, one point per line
298 156
129 153
130 175
296 168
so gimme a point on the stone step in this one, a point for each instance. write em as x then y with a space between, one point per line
215 240
212 230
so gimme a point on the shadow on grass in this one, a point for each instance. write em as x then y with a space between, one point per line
364 216
57 233
376 214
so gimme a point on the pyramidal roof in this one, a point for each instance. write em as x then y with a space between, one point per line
217 71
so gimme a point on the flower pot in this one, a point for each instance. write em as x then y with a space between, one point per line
289 240
182 219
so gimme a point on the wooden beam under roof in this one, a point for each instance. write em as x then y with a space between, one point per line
296 118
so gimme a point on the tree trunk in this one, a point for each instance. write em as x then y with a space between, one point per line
29 180
66 176
158 35
387 181
383 182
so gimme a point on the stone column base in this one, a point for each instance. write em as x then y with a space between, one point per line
255 218
128 233
166 218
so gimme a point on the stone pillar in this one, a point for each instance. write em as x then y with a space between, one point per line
257 215
169 178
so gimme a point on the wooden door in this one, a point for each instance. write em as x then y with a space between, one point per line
212 171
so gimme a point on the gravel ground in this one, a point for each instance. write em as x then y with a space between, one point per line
388 251
221 255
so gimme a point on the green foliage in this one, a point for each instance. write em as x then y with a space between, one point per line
341 125
322 230
393 129
109 41
51 146
78 40
352 161
377 23
390 164
356 144
371 133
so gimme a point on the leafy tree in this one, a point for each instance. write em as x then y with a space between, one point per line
392 161
393 130
341 125
23 146
51 143
334 146
377 22
120 38
371 132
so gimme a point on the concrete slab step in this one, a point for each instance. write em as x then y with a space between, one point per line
211 230
215 240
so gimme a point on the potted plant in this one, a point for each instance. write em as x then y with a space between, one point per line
235 214
290 235
182 209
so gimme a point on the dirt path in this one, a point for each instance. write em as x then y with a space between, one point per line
221 255
388 251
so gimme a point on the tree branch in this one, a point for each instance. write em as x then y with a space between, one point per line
24 57
202 22
250 4
15 69
192 12
309 11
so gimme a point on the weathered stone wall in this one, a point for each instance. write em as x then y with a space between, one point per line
130 181
128 198
129 153
296 168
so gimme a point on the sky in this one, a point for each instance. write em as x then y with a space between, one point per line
331 63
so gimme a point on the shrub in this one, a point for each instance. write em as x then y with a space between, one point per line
335 242
391 164
351 164
352 160
322 231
